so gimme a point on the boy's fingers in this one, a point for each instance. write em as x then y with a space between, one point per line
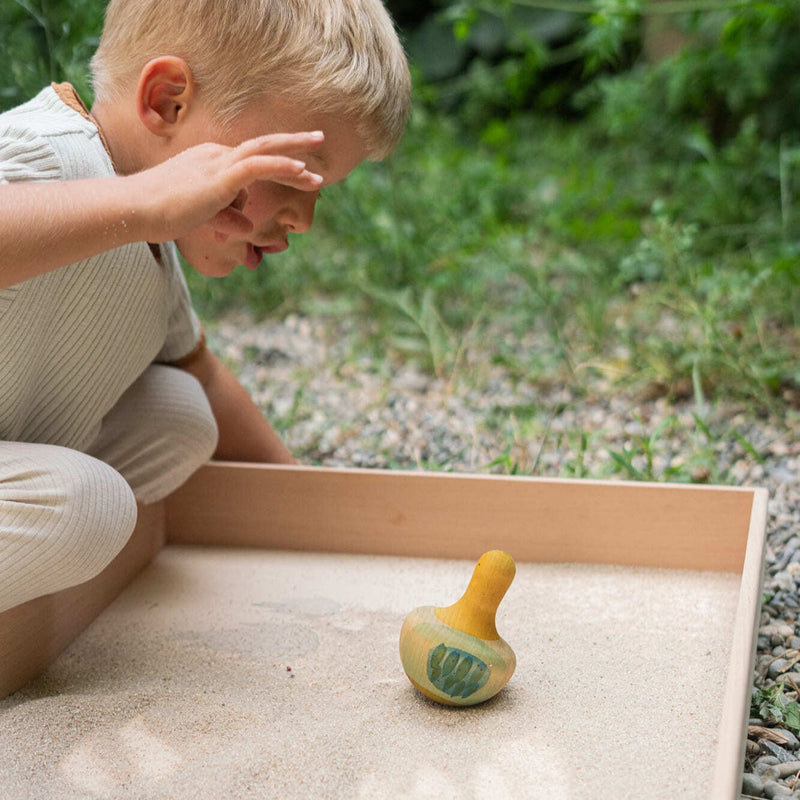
230 221
280 169
281 143
307 181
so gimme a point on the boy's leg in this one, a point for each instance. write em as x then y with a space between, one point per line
63 517
159 433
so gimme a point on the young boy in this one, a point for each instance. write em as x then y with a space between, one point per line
215 125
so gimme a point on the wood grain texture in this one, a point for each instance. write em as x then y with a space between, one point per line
462 516
34 634
736 705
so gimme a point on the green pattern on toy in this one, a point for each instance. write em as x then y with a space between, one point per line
456 672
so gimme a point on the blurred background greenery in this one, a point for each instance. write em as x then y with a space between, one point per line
618 178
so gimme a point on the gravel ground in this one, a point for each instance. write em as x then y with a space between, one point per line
336 406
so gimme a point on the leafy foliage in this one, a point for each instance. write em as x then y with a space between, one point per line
43 41
773 706
629 219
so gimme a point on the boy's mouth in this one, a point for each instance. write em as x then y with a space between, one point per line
255 254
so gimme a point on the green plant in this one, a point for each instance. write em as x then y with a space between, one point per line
576 445
43 41
709 324
666 252
772 705
506 462
679 452
418 329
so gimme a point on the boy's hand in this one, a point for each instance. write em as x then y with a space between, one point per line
49 224
207 183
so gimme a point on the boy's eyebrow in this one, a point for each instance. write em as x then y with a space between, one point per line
321 168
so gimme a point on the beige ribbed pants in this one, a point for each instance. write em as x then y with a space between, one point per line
65 514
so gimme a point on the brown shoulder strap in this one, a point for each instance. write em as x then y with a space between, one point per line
67 94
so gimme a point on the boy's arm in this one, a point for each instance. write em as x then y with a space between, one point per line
244 434
48 225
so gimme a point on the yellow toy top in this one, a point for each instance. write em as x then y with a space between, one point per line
474 613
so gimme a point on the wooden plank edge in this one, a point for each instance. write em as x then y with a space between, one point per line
34 634
728 768
454 515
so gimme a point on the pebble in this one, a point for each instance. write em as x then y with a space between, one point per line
768 772
752 785
781 752
336 405
775 789
788 768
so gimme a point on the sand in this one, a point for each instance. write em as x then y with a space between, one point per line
226 673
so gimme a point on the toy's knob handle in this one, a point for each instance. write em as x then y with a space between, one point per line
475 612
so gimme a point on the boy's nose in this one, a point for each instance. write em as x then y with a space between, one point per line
298 217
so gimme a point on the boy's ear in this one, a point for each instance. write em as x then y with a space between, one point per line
165 91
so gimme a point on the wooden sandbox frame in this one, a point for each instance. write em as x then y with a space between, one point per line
434 515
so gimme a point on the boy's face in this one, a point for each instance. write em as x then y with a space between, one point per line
274 209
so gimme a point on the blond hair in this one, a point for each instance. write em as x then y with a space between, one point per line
340 57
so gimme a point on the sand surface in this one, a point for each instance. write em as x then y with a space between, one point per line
223 673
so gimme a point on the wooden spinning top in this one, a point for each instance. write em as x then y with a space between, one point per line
454 655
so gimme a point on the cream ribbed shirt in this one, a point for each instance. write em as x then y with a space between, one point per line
74 339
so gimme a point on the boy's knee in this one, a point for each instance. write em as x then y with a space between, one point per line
63 517
184 427
101 506
189 419
159 433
